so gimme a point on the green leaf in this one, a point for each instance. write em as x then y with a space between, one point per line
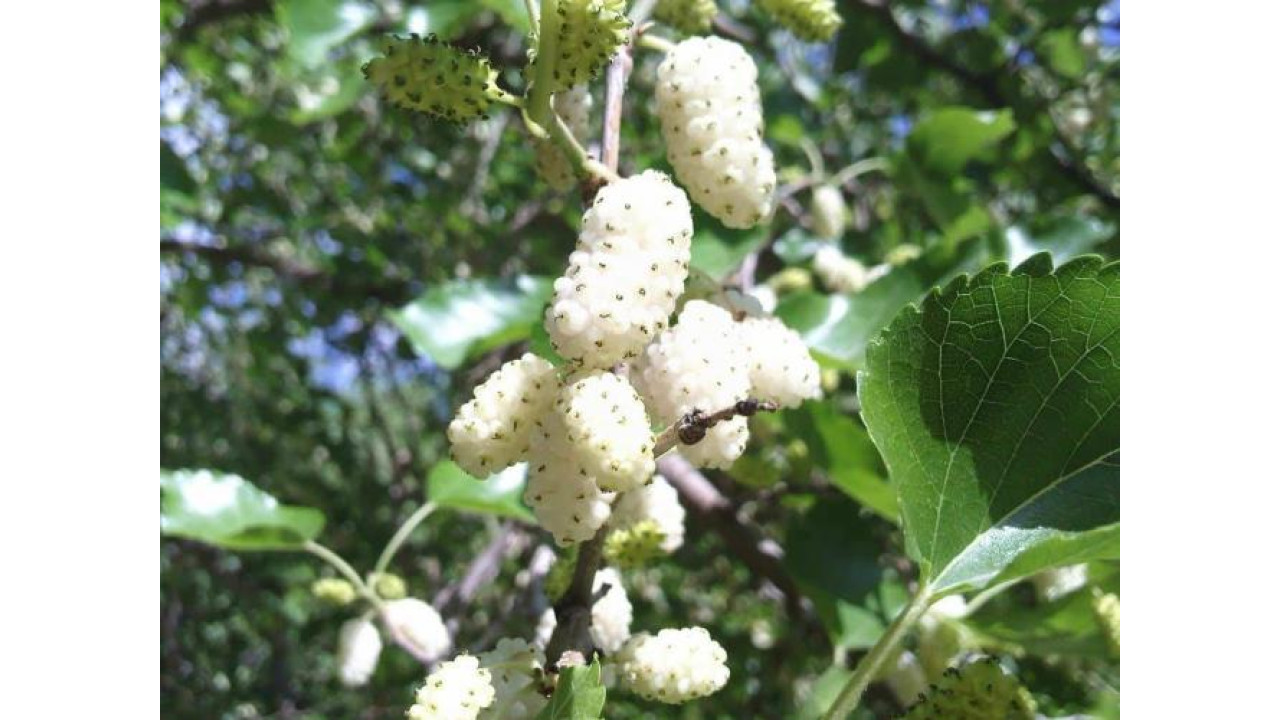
228 511
315 27
823 693
949 138
174 176
454 320
832 554
1066 626
512 12
844 450
1061 50
717 252
996 406
838 327
1064 236
450 486
579 695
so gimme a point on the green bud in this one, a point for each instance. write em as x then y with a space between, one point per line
830 380
1106 608
560 575
634 546
809 20
334 591
791 280
432 77
691 17
389 586
590 33
903 254
977 691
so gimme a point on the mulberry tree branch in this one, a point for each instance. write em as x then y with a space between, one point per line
760 554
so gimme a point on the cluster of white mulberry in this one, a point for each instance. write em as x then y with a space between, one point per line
674 666
587 430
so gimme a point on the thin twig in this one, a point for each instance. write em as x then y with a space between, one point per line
615 85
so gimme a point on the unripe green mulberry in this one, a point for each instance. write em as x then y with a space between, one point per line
389 586
589 32
691 17
977 691
574 105
713 126
809 20
634 546
828 212
432 77
334 590
1106 608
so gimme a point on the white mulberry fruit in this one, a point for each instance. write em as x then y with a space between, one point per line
712 123
828 212
607 424
611 614
574 105
359 646
697 364
492 431
1060 581
513 666
566 499
839 272
674 666
458 690
781 368
420 625
623 279
659 503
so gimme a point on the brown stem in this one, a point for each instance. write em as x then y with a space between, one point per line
694 425
573 612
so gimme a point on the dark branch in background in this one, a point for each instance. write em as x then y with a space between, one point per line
392 292
198 15
760 554
989 88
483 568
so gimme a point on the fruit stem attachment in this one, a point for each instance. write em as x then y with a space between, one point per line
869 666
583 164
402 533
861 167
539 94
653 42
344 568
693 426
